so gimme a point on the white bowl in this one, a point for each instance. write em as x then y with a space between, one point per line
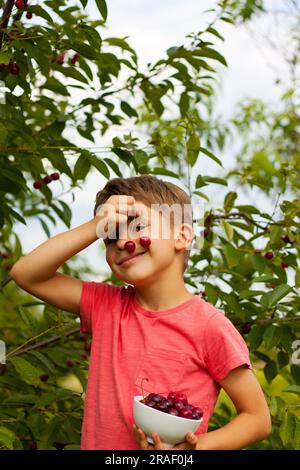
171 429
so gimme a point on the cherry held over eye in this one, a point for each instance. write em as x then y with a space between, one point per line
130 247
145 242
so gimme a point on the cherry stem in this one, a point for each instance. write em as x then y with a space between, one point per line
145 378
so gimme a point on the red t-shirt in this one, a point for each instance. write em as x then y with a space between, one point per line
188 349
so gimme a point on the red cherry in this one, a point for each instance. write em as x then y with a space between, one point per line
246 328
269 255
44 378
33 445
151 403
129 246
60 59
203 294
173 412
47 179
286 239
178 405
205 233
19 4
145 242
284 264
38 184
55 176
13 68
199 411
87 347
185 414
4 255
84 356
75 58
2 67
157 398
70 363
172 396
28 15
182 397
195 415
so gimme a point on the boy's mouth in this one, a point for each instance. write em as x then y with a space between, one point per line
126 259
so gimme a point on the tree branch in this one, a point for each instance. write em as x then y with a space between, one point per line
46 342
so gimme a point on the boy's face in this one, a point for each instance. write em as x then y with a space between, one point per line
165 251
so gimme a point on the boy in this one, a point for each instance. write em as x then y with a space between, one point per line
152 328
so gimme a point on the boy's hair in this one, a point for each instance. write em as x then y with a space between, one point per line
149 190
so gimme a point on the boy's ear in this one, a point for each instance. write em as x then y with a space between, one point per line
184 237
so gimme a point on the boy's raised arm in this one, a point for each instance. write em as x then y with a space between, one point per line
37 272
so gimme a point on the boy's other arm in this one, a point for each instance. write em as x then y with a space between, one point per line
253 422
37 272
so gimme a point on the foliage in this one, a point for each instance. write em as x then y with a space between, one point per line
53 110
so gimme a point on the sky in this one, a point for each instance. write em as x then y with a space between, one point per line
154 26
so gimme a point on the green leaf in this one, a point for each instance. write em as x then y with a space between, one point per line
211 155
64 216
255 336
73 72
67 210
210 53
292 389
45 227
163 171
193 148
27 372
56 86
83 3
84 49
44 361
282 359
7 437
113 166
127 109
16 215
81 168
184 104
102 7
141 158
272 336
5 57
49 432
231 254
27 318
270 371
96 163
287 428
270 299
229 200
124 155
215 33
228 229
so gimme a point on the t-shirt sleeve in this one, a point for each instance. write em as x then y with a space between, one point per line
97 299
225 348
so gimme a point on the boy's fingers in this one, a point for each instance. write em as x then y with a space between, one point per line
140 437
191 438
157 442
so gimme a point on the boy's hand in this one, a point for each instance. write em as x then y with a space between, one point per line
113 212
190 442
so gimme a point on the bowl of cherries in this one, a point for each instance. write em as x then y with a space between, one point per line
172 417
